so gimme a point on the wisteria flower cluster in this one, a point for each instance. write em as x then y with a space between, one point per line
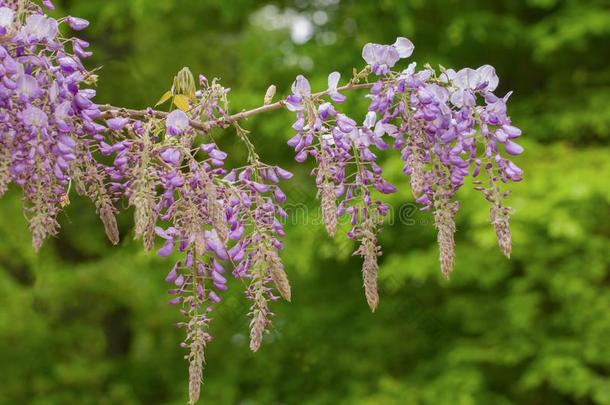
214 221
48 121
346 169
218 218
447 127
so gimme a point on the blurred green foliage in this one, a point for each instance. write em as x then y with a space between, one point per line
85 323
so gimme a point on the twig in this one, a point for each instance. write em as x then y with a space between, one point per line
112 111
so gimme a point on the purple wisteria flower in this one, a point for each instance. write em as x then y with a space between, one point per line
77 24
48 4
117 124
171 156
39 27
176 122
300 91
382 58
333 81
7 16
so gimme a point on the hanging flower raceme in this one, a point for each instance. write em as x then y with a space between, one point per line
216 219
347 174
217 222
47 119
440 129
435 122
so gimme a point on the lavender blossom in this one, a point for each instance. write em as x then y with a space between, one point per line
382 58
7 16
77 24
300 91
333 81
177 122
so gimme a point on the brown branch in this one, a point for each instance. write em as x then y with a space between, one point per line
112 111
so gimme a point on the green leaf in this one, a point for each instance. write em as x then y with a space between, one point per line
164 98
182 102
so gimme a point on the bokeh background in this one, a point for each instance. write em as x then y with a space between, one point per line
86 323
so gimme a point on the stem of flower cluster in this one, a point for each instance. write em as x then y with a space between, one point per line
112 111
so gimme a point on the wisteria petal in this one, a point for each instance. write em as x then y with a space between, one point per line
117 124
513 148
404 47
77 24
487 74
333 81
7 16
171 156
